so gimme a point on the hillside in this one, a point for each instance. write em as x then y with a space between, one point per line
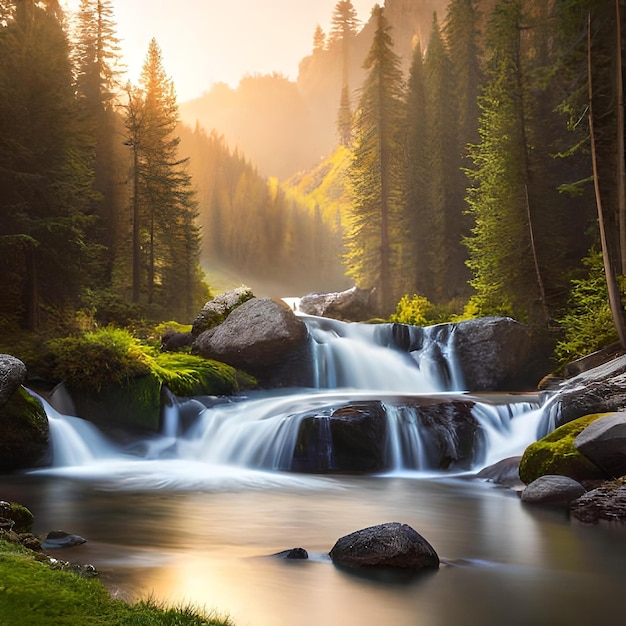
284 127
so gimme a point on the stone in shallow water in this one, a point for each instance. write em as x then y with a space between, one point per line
293 554
392 545
61 539
553 490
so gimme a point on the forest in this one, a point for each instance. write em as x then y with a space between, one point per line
483 177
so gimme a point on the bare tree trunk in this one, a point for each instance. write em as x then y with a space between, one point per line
621 177
615 302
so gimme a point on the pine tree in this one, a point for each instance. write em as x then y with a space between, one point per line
165 237
376 236
343 30
502 247
319 40
45 172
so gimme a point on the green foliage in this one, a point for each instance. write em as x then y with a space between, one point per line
417 310
190 375
99 359
587 325
31 594
556 454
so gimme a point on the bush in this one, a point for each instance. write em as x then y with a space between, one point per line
588 325
418 310
95 360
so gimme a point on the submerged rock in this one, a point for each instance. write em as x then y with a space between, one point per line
553 490
61 539
392 545
294 554
504 472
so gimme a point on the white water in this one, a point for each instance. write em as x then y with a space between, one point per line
251 440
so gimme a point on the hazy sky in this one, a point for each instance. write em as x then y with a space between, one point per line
206 41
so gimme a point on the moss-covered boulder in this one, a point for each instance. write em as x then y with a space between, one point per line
21 517
217 310
24 432
556 454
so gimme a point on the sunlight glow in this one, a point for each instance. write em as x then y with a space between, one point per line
207 41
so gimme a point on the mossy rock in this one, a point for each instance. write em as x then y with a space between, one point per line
24 433
556 454
20 515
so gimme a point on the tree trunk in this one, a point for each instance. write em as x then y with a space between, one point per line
615 301
621 177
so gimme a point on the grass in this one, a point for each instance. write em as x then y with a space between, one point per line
33 594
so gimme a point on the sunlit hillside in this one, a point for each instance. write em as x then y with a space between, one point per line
284 127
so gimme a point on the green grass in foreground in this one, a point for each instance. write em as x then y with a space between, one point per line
32 594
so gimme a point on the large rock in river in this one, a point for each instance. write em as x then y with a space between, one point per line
263 337
386 545
352 305
604 443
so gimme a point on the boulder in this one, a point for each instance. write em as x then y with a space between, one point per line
352 305
603 442
553 490
19 517
555 454
217 310
12 376
348 438
504 472
24 432
601 389
605 503
263 337
391 545
494 353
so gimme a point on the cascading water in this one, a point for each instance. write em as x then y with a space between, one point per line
402 396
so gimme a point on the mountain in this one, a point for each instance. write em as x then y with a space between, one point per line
283 126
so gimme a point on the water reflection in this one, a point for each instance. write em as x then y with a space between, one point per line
503 563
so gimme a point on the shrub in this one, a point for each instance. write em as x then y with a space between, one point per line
95 360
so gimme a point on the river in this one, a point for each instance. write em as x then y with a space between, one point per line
196 513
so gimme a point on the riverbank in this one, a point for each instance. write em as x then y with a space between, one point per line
33 593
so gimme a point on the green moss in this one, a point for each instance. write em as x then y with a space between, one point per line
21 516
556 454
31 594
190 375
23 431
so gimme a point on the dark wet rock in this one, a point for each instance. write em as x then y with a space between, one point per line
217 310
293 554
348 438
495 353
61 539
504 472
601 389
604 443
390 545
262 337
12 376
24 432
352 305
174 341
606 503
553 490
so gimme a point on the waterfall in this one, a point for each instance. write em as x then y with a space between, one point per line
410 405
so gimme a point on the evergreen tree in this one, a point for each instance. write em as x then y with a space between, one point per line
165 236
343 30
45 173
502 247
445 202
319 40
376 236
97 67
419 277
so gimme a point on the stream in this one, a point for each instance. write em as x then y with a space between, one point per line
195 513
